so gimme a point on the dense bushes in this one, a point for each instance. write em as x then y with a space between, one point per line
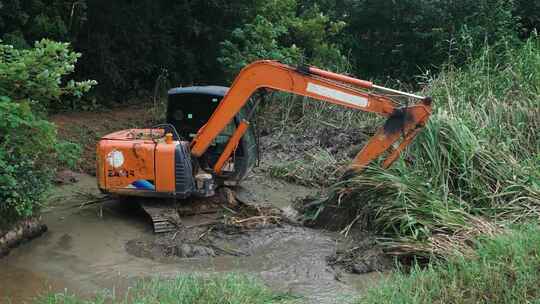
25 144
128 44
31 81
279 32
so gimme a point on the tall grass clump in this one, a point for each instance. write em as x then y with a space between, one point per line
188 289
504 270
476 162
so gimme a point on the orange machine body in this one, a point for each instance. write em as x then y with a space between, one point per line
137 162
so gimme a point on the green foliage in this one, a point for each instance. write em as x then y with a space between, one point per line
503 270
36 75
128 44
25 21
31 82
401 38
230 288
281 31
25 145
497 95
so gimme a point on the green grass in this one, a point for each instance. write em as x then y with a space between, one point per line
475 165
192 289
504 269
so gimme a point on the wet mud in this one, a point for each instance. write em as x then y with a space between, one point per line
357 251
108 246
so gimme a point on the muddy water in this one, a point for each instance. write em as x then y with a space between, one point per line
84 251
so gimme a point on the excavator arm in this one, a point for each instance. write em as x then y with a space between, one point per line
321 85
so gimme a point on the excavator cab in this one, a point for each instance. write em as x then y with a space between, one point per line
190 108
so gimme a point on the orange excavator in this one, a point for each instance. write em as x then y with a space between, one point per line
207 141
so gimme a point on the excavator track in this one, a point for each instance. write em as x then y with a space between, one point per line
164 215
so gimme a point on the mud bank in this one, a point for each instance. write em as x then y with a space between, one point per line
20 232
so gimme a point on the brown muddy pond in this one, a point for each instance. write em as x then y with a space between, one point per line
85 251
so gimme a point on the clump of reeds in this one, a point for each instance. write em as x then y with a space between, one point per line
476 162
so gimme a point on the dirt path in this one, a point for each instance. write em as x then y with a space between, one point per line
85 251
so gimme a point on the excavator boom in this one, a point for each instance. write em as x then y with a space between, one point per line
324 86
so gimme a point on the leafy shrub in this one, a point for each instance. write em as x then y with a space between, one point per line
25 145
282 31
31 81
36 75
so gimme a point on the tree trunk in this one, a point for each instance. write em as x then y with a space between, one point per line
21 231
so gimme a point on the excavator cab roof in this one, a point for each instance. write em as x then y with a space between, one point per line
206 90
190 108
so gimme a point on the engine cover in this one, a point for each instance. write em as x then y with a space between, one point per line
141 162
